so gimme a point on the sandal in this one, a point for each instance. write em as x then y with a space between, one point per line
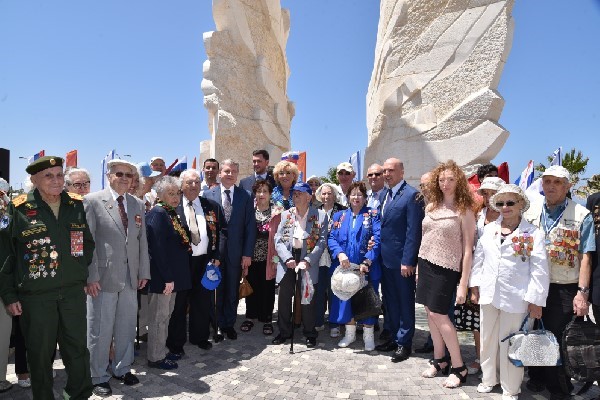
435 362
268 329
457 373
246 326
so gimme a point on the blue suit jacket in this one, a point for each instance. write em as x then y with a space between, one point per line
239 234
401 228
249 181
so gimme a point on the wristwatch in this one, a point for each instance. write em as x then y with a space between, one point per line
584 290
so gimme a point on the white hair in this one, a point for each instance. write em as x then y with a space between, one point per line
72 171
189 171
166 183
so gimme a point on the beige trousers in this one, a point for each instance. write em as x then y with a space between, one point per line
5 329
160 307
496 368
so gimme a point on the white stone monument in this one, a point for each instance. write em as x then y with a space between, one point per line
433 91
245 81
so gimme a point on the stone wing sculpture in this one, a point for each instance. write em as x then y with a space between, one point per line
433 91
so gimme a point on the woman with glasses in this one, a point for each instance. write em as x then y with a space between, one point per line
444 261
509 279
77 180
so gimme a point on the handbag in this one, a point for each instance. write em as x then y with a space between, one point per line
365 303
533 348
245 288
581 349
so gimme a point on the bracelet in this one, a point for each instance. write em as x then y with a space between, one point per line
584 290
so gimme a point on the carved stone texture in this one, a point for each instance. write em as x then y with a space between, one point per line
433 91
245 81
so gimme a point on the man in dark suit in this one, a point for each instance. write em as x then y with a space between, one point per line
260 163
237 241
402 213
203 219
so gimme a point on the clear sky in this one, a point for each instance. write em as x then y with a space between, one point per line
98 75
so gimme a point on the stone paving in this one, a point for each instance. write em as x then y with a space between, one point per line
251 367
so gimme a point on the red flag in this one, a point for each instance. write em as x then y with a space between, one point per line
302 166
171 166
71 159
194 163
503 172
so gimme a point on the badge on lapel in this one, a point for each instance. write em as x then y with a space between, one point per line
138 220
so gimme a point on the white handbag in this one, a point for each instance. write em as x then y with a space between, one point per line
533 348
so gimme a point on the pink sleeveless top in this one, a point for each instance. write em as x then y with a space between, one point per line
442 242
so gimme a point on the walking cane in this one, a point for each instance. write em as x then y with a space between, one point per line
215 315
296 253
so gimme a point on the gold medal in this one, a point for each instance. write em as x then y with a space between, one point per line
54 255
44 254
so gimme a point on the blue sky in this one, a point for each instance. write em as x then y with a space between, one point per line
94 76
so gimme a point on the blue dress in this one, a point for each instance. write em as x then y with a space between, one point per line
350 235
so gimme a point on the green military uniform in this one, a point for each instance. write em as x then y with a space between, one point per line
44 263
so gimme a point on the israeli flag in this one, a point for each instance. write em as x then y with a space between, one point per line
557 157
105 161
355 161
526 178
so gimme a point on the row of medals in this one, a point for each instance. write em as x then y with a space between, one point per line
37 257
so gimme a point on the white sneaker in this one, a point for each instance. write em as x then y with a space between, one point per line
349 337
24 383
369 338
481 388
334 332
319 328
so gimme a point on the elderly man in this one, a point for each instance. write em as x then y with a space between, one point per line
237 245
260 163
377 184
402 211
210 169
203 218
158 164
345 175
120 266
45 248
77 180
570 241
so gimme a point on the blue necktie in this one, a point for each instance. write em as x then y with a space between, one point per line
388 199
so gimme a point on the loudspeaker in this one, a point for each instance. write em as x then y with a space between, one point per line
5 164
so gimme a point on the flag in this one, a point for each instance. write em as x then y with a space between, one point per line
291 156
526 178
71 159
194 163
179 166
34 157
302 166
557 157
355 161
170 167
535 192
107 158
503 172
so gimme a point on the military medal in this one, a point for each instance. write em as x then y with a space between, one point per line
44 254
138 221
77 243
54 255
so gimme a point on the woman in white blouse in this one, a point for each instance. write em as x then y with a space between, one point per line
509 279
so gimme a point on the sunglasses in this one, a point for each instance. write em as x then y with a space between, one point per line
501 204
344 173
374 174
120 174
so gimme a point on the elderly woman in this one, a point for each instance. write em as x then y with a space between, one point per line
510 278
444 261
286 175
352 229
314 182
259 305
329 197
169 247
300 240
77 180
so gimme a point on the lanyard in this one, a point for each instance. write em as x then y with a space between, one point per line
555 223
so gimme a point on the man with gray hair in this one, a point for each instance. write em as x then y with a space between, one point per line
237 242
77 180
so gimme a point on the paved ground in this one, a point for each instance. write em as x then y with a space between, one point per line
251 367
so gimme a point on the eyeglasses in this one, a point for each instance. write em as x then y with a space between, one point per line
120 174
374 174
509 203
344 173
80 185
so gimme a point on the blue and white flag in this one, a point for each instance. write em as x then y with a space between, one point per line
181 165
526 178
356 165
557 157
107 158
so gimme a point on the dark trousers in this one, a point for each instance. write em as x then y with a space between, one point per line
260 304
228 294
556 315
20 350
50 318
399 296
201 304
322 290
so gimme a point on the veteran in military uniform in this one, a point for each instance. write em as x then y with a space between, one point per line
45 249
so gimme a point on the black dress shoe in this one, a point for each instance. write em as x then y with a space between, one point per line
218 337
311 342
231 333
559 396
205 345
129 379
385 335
402 353
427 348
102 389
279 339
535 386
387 346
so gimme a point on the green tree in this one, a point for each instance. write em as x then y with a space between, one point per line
573 161
592 186
331 176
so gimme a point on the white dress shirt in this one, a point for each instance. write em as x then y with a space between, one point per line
202 247
116 195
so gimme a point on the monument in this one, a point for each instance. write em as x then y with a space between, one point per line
245 81
433 90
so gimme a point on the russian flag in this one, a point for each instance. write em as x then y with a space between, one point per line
291 156
526 178
180 166
34 157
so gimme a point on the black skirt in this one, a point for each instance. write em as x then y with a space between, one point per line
436 286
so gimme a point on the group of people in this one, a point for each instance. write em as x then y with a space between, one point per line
79 268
